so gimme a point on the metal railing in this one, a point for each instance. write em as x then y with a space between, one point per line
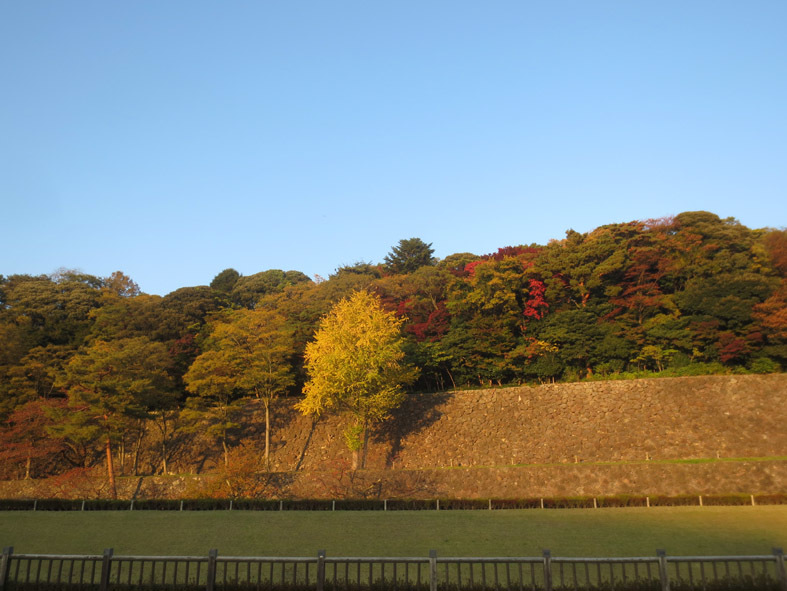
108 572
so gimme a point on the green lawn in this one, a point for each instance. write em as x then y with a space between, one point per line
573 532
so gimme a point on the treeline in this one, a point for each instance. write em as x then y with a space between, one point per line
85 361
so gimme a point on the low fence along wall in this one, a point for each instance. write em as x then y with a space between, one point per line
445 504
105 572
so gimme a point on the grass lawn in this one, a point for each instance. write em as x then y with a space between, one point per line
568 532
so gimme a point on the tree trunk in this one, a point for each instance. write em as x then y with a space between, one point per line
122 454
28 461
267 435
164 448
138 449
226 451
355 459
164 470
451 377
111 470
365 445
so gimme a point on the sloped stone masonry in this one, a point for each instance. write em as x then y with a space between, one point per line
589 438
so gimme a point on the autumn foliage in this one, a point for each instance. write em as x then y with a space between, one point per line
90 367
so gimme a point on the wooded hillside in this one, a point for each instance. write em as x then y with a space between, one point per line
86 362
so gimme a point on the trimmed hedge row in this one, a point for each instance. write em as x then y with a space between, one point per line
389 505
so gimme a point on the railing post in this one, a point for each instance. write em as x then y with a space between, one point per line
663 572
106 565
211 582
321 570
5 565
432 570
778 553
547 570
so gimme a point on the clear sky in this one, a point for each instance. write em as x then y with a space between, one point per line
173 139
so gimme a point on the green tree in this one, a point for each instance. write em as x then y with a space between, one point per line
248 353
225 280
249 290
112 383
304 304
355 367
36 373
121 285
194 304
409 255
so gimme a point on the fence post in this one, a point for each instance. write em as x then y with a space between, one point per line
547 570
5 565
321 570
432 570
211 582
663 573
106 565
778 553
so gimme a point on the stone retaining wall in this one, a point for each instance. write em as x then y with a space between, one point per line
589 438
671 418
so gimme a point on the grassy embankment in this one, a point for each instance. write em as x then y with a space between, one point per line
577 532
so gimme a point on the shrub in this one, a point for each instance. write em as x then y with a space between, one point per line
78 483
16 504
463 504
58 505
569 503
622 501
107 505
359 505
411 505
205 504
528 503
156 505
256 504
726 500
307 505
771 499
764 365
247 504
674 501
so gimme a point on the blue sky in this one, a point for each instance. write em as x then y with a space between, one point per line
171 140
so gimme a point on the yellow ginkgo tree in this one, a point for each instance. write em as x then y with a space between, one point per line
355 366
